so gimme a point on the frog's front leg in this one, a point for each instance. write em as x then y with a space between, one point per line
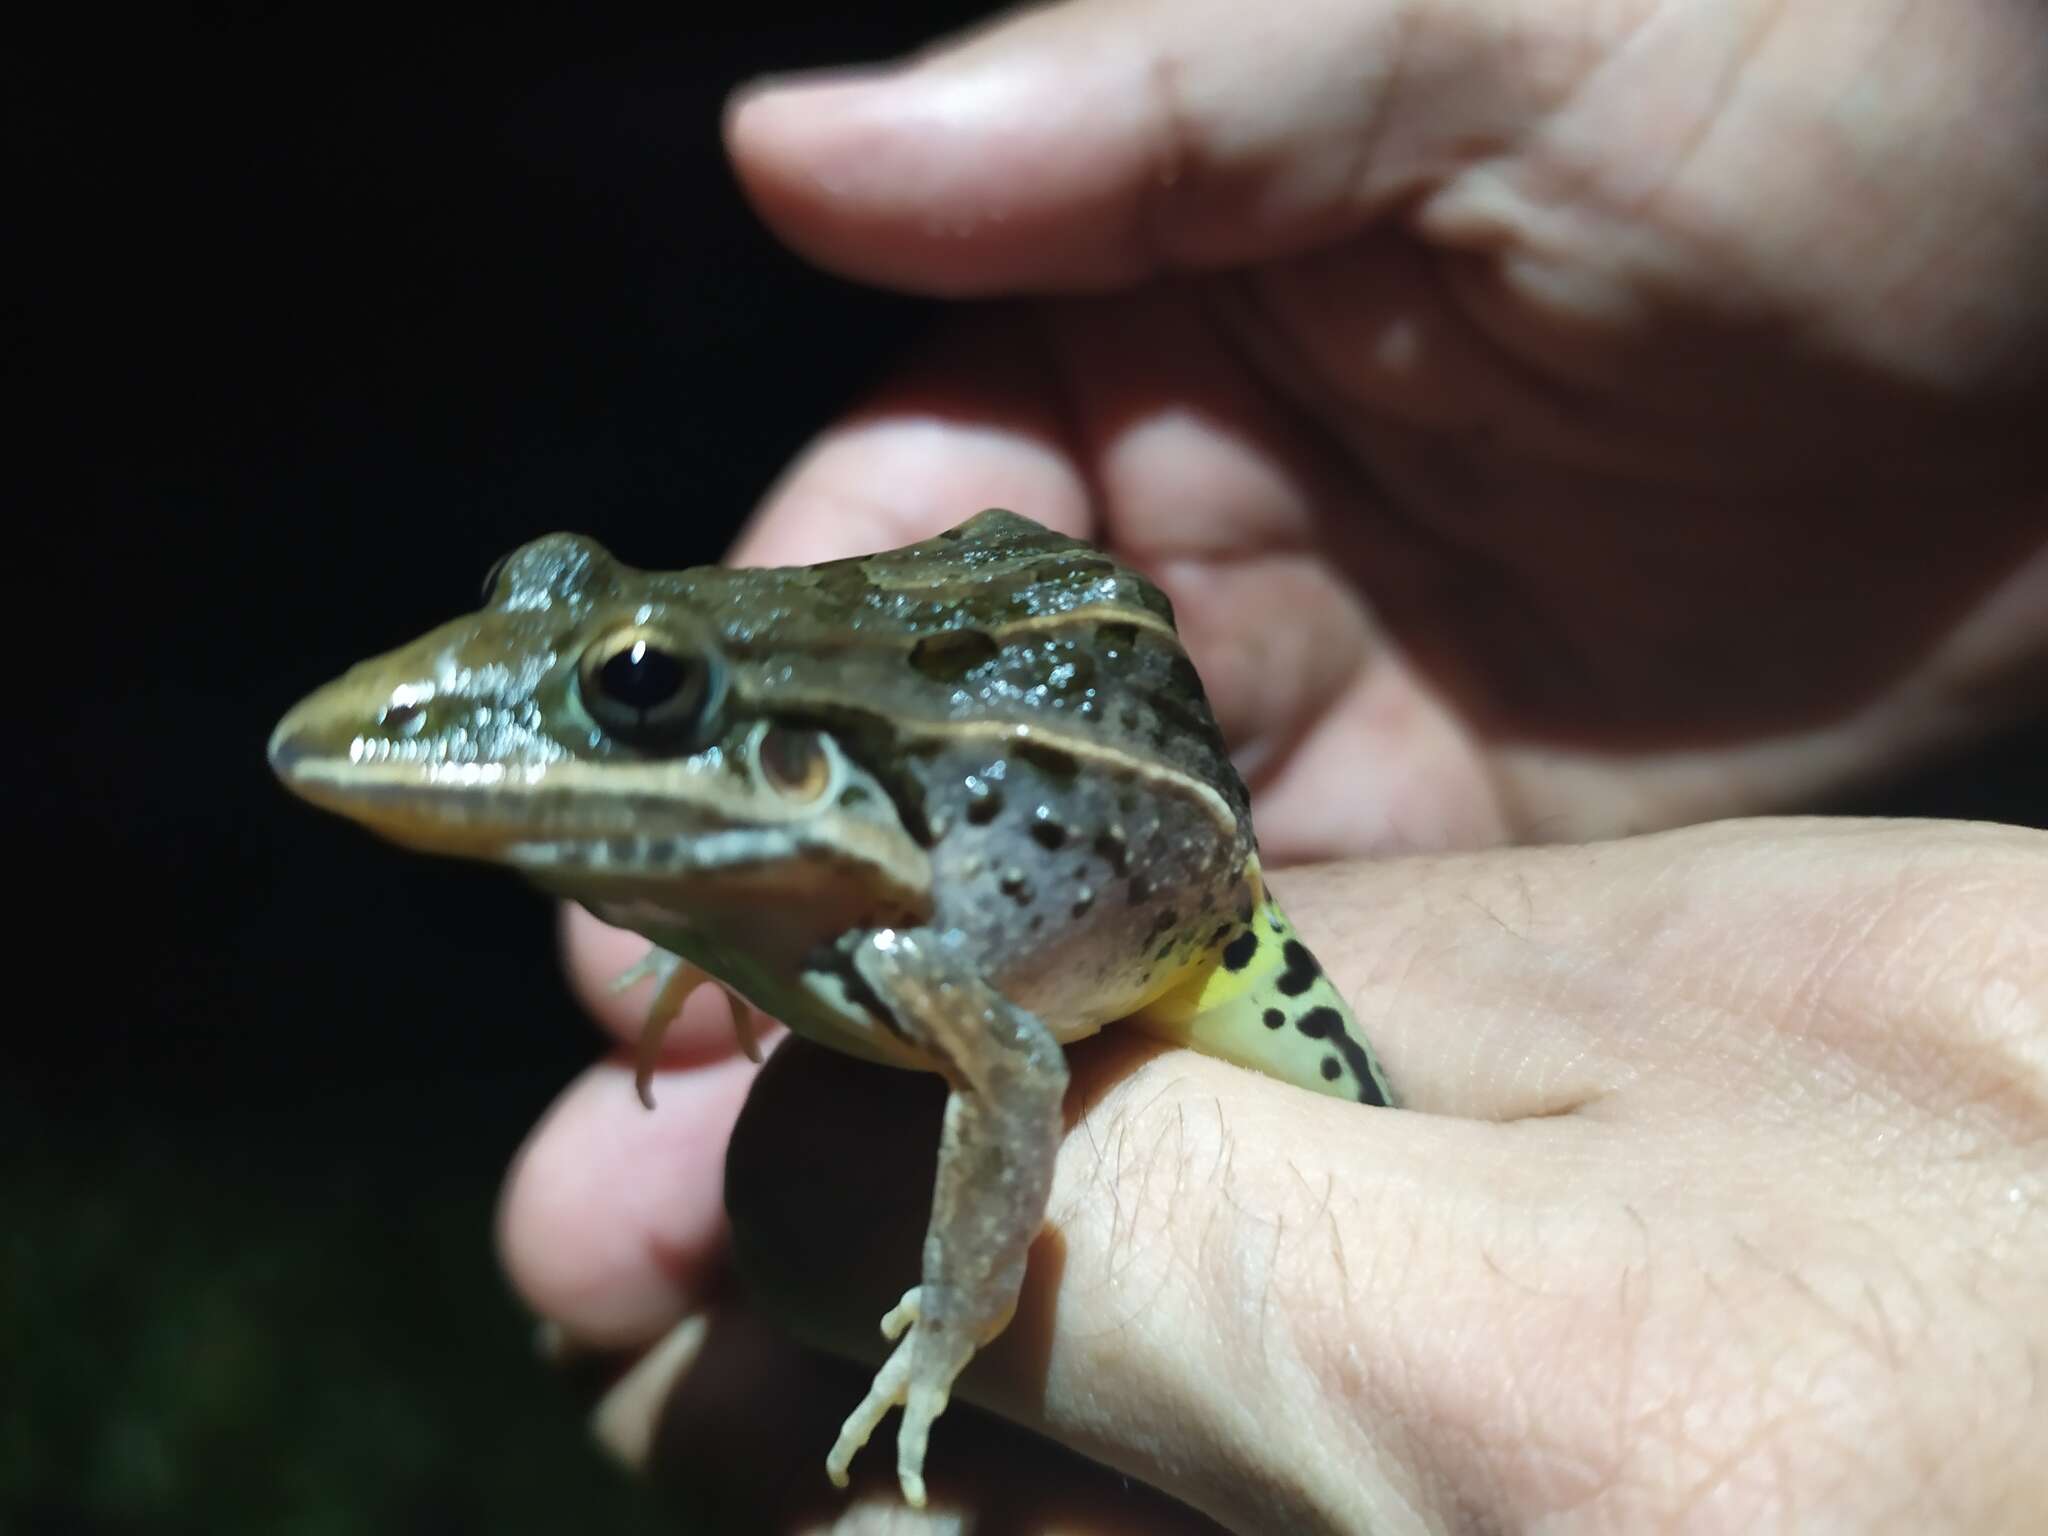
1002 1130
674 980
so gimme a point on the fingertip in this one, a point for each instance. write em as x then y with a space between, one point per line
977 419
896 478
976 170
611 1221
595 954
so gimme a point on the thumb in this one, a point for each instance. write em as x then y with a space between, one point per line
1090 144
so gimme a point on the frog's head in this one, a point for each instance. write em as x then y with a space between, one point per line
583 727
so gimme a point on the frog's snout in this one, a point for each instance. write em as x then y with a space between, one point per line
313 731
287 748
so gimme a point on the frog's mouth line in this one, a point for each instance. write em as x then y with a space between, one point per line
522 816
578 825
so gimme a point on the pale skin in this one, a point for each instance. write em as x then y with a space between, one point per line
1553 424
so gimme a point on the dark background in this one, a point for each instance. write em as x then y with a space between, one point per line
320 312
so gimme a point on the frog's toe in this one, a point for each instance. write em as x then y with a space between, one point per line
743 1030
886 1392
675 980
921 1409
901 1316
657 962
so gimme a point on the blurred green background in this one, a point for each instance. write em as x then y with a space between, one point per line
327 310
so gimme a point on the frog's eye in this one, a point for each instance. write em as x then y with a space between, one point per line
794 762
643 686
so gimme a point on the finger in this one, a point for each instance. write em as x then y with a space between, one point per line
1136 426
1097 142
1108 1352
1268 1302
612 1224
1648 972
1266 545
974 420
1514 985
612 1229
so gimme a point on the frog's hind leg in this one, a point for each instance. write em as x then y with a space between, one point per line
675 979
1002 1130
1254 995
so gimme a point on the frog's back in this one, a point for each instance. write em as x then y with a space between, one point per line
1027 702
996 630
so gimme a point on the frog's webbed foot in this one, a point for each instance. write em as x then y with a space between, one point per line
675 979
1002 1130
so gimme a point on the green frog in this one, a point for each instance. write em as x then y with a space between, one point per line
946 808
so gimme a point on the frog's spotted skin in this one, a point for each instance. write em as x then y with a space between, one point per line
1253 994
945 807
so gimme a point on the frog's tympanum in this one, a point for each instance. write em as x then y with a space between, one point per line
945 808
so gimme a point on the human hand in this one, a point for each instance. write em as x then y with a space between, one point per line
1549 422
1608 471
1728 1211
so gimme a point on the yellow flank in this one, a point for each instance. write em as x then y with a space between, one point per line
1254 995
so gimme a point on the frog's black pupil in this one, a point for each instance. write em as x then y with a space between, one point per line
641 677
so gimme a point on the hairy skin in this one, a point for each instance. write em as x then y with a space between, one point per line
1727 1211
1553 422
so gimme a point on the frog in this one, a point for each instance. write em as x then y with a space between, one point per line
947 808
